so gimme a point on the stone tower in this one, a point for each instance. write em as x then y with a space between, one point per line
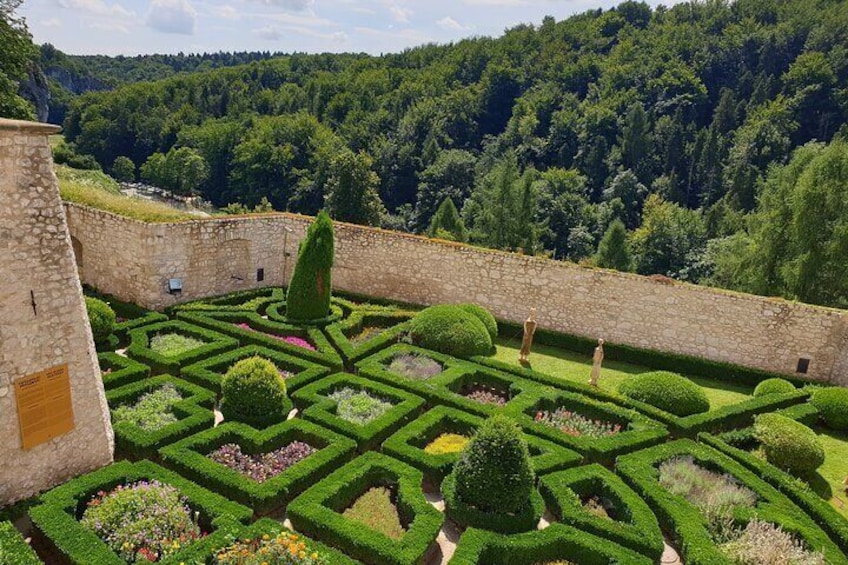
48 365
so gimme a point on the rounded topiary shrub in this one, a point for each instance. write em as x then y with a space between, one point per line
788 444
666 391
101 317
832 404
451 330
308 295
774 386
253 392
494 473
484 316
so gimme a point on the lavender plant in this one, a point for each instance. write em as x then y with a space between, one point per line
263 466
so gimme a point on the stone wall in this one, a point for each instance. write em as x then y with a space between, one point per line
215 256
43 322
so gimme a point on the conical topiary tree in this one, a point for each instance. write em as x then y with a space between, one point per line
308 296
495 474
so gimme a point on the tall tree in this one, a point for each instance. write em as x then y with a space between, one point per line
16 54
614 251
447 223
352 190
635 140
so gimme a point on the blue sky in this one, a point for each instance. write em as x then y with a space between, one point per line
131 27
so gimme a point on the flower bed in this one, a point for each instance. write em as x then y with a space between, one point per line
169 358
575 424
142 522
286 548
377 510
152 411
486 394
447 444
290 339
263 466
358 406
415 366
174 344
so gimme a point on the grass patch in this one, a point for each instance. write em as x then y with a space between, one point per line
376 510
173 344
834 469
97 190
574 367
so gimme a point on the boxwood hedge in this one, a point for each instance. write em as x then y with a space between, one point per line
194 413
633 524
409 442
318 512
190 457
253 300
314 400
395 324
466 515
687 524
139 347
209 372
14 550
117 370
57 518
262 333
558 542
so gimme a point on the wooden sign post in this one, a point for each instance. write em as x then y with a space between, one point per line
44 405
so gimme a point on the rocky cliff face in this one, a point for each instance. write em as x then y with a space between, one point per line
73 82
36 90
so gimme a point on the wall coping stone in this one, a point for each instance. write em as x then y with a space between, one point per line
23 126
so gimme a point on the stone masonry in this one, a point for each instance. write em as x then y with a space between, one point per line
134 261
43 322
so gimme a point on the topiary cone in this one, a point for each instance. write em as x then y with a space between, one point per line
308 295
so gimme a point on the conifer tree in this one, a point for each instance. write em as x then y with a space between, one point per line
308 295
447 223
613 251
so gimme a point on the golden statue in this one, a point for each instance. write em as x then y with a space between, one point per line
597 359
527 340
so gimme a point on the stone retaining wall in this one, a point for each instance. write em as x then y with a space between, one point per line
214 256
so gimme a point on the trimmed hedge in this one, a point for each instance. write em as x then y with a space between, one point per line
253 300
318 512
139 347
451 330
832 404
396 324
14 550
254 392
210 372
774 386
194 412
317 407
558 542
789 444
634 526
117 370
818 509
101 318
57 516
272 528
259 334
409 442
189 457
688 525
667 391
484 316
133 316
446 387
308 294
525 519
276 312
642 431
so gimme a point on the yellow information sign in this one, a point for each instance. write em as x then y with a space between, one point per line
44 405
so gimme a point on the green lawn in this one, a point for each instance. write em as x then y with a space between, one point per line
575 367
835 467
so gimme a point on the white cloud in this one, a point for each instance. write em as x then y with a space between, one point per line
270 33
172 16
226 12
451 24
52 22
276 33
399 13
108 26
291 5
96 8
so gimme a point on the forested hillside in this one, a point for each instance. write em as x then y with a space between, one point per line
700 142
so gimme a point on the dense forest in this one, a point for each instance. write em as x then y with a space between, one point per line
704 142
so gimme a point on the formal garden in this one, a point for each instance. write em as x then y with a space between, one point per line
298 426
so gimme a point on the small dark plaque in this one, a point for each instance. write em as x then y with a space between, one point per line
803 365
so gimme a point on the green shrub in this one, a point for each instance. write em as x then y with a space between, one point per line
308 295
788 444
253 392
832 404
451 330
484 316
667 391
494 473
774 386
101 317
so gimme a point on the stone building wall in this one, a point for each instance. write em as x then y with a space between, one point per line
43 322
771 334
